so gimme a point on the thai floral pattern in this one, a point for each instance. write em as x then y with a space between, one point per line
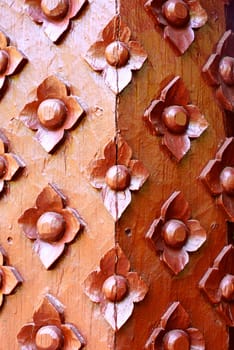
48 331
178 18
174 332
218 284
117 175
172 117
52 112
115 287
116 55
51 224
174 234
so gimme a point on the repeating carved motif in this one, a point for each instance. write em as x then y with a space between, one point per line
219 71
10 59
116 55
218 284
172 117
115 288
51 224
174 332
178 18
174 234
218 176
54 15
117 175
53 112
9 276
48 330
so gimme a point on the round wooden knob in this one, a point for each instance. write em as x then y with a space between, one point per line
4 59
49 338
115 288
176 12
3 166
52 113
226 70
176 340
51 226
227 287
174 233
117 54
227 180
118 177
55 9
176 119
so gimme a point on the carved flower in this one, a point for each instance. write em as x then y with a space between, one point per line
219 71
173 117
48 330
54 15
116 55
174 332
10 59
174 234
218 284
115 288
51 224
178 18
51 113
117 175
9 277
218 176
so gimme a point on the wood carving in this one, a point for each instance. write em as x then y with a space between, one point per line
116 55
218 176
48 330
172 117
174 234
218 284
51 224
52 112
115 288
219 71
174 332
9 277
10 59
54 15
117 175
179 19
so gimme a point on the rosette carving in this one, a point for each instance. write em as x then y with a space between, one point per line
178 19
175 333
9 276
55 16
172 117
116 55
218 284
174 234
117 175
52 112
115 288
218 176
51 224
48 331
219 71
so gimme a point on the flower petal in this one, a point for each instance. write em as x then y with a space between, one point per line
49 312
224 261
97 173
29 222
156 339
73 225
95 56
15 58
137 55
1 185
176 207
225 96
2 81
197 122
211 68
139 174
178 145
116 30
117 79
154 115
175 93
26 336
196 237
11 279
226 309
50 199
55 29
227 202
74 111
137 287
93 285
51 87
35 12
124 151
124 78
210 176
110 153
14 163
115 262
210 284
1 299
197 341
198 16
116 202
175 317
3 41
29 115
175 259
73 340
48 253
180 38
154 234
75 7
49 139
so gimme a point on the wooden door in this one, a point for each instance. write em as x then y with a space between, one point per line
140 255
